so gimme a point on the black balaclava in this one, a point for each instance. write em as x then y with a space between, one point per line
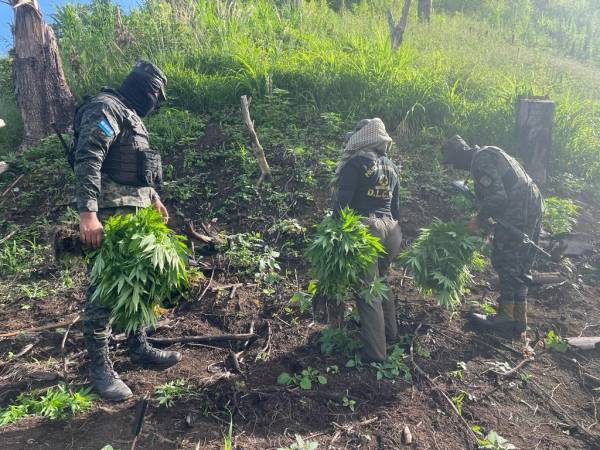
458 153
144 87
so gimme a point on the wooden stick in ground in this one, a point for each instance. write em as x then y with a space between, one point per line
207 338
62 349
467 429
64 323
259 153
21 353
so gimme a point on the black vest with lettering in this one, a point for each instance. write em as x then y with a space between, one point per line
378 177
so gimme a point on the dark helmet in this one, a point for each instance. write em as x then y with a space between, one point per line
457 152
144 87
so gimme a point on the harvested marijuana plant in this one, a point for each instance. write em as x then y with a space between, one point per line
341 251
140 264
441 260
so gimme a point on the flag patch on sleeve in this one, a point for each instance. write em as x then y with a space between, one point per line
106 128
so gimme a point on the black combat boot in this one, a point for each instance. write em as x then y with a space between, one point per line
140 352
502 323
105 380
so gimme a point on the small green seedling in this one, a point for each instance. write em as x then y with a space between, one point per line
493 441
301 444
554 342
348 403
304 379
167 393
393 367
459 373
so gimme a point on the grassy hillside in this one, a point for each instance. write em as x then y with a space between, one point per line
460 74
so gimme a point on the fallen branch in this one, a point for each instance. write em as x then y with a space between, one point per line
9 235
21 353
207 338
12 185
259 153
64 323
266 350
467 429
514 370
192 233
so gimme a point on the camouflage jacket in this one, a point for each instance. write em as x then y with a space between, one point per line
103 122
504 190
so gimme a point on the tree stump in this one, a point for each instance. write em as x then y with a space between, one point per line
41 90
424 10
535 118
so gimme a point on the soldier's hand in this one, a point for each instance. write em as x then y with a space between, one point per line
161 209
473 225
90 229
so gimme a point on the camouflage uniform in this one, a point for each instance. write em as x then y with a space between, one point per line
105 121
506 193
110 140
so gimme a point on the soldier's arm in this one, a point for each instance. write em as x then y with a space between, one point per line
98 130
488 186
346 187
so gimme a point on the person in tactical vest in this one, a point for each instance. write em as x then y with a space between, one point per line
115 173
366 180
507 194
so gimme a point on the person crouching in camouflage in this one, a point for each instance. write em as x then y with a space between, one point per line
115 172
367 181
507 194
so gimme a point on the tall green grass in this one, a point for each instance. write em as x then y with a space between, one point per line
461 73
10 135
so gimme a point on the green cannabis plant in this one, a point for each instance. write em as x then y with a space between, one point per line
140 264
56 403
341 251
560 215
441 260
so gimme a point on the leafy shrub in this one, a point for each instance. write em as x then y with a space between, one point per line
140 264
560 215
55 403
248 253
441 259
341 251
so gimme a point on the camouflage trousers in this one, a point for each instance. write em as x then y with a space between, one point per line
511 258
378 316
96 317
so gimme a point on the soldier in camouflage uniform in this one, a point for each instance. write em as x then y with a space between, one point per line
506 193
367 181
109 137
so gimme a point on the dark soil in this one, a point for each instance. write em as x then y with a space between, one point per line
551 403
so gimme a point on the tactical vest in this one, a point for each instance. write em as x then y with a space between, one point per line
513 175
130 160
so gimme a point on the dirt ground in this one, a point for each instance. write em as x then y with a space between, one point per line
550 401
553 407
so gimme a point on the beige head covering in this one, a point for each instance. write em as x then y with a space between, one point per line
369 136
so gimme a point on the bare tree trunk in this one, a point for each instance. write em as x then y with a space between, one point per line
259 153
535 118
43 95
424 10
397 29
